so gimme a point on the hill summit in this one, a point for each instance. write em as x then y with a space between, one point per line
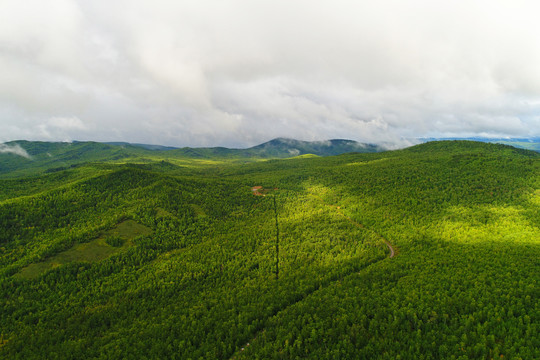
284 147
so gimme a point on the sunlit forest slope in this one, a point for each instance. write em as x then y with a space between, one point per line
431 252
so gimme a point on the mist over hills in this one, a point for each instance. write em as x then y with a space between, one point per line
275 148
22 157
283 147
50 156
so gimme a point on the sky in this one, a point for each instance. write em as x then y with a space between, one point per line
239 73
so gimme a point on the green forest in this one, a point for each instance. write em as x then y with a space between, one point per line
429 252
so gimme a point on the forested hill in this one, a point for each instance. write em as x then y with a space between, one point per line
20 158
282 147
152 258
532 143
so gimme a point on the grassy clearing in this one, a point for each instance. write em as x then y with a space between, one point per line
95 250
199 211
128 230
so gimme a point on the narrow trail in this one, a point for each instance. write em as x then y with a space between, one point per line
392 252
338 210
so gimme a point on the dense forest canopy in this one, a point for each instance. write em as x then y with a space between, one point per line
146 256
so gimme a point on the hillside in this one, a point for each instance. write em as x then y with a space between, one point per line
39 157
22 158
158 259
522 143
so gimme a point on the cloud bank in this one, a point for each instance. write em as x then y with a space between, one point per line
237 73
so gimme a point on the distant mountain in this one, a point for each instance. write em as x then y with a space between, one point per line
144 146
276 148
282 147
21 158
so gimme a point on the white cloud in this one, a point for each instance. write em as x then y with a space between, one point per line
241 72
66 123
61 128
14 149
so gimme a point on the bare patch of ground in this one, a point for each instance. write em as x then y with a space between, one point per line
261 191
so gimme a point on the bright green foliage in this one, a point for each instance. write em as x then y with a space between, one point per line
107 244
195 276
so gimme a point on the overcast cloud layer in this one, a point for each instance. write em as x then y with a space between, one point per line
237 73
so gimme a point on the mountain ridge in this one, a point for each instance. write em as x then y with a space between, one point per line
23 158
20 155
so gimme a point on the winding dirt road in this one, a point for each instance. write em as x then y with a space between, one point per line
392 252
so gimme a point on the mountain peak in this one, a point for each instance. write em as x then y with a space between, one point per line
285 147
